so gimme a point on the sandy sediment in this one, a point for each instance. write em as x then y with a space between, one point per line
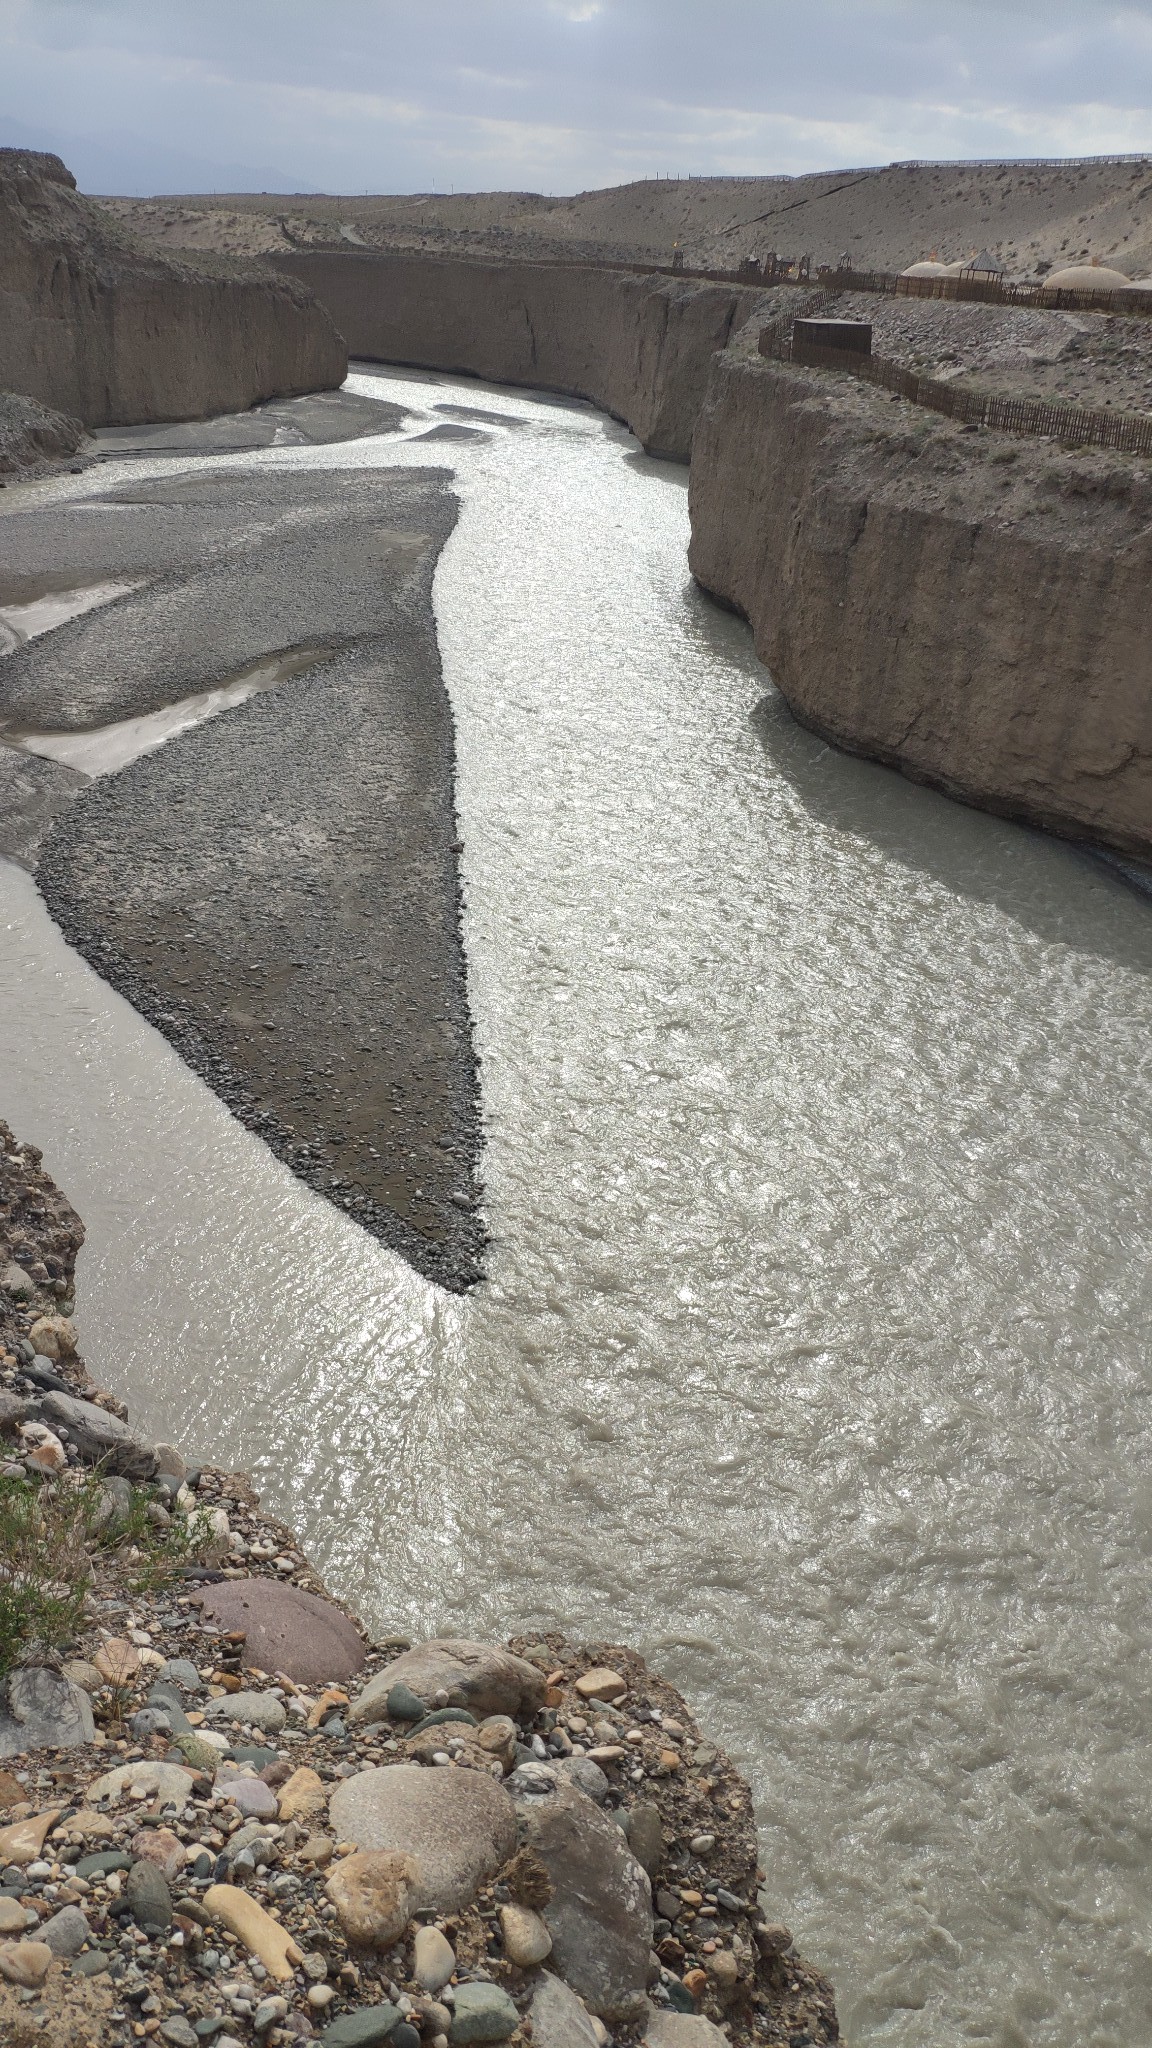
276 889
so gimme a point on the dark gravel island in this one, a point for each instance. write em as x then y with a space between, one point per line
276 888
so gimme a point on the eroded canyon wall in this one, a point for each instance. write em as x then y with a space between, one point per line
93 326
639 346
970 608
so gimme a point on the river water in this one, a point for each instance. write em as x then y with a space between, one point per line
814 1357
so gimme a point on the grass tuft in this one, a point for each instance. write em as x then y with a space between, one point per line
52 1532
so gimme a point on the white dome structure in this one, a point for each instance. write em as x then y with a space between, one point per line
1086 277
925 269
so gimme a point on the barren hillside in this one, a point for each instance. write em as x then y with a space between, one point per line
1030 216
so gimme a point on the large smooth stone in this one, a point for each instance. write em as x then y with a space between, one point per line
459 1825
367 2027
303 1797
196 1751
250 1796
287 1630
166 1782
372 1891
45 1711
161 1847
102 1438
102 1861
146 1890
262 1935
66 1932
26 1963
602 1684
22 1840
588 1777
480 1676
526 1937
434 1959
558 2018
481 2012
679 2030
53 1337
253 1709
646 1835
600 1912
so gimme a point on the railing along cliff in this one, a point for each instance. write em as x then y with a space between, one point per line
1072 425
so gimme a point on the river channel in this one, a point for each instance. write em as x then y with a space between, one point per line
814 1355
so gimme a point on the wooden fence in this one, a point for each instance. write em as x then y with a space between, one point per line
1073 425
988 291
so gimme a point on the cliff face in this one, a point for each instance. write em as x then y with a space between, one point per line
965 607
638 346
93 326
968 608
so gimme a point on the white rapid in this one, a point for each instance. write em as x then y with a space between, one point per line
814 1356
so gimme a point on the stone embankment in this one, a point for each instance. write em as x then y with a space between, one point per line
967 607
93 326
227 1816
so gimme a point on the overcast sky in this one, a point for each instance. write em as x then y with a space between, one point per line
558 95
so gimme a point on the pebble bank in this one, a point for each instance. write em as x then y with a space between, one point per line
228 1817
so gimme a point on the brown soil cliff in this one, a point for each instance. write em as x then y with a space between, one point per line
968 607
94 326
638 346
965 606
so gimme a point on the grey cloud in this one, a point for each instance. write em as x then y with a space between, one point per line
388 94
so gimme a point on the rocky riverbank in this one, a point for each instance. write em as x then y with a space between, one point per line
227 1817
94 325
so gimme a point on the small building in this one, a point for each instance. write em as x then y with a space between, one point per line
982 265
849 338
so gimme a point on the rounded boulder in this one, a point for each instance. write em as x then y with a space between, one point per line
286 1629
479 1676
459 1825
372 1891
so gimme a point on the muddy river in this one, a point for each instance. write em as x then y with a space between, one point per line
814 1357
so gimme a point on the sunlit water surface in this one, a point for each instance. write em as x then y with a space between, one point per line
814 1357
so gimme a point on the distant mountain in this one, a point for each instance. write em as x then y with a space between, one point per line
130 165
